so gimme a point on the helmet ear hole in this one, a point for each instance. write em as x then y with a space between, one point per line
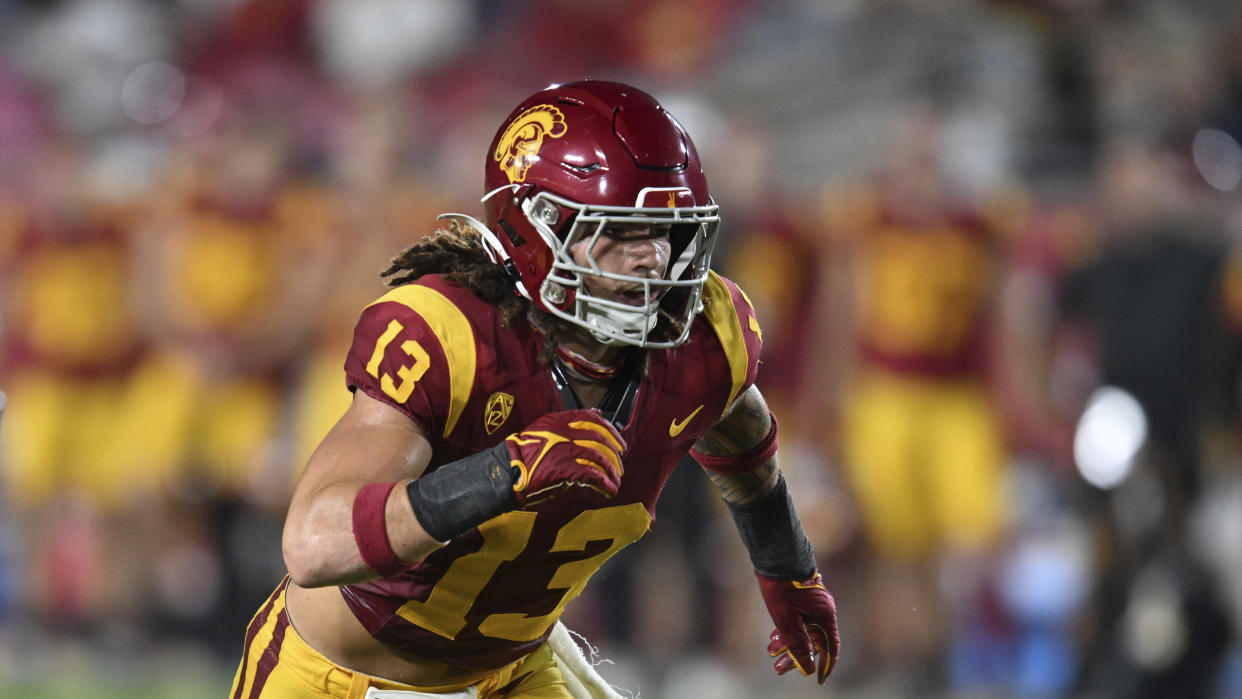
514 237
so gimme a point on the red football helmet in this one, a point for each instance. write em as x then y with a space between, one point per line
576 159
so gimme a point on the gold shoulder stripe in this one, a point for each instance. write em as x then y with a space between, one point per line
456 339
754 324
722 315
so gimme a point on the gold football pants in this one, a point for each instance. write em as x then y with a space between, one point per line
925 459
278 664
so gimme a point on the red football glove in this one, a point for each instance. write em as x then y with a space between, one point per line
564 449
806 624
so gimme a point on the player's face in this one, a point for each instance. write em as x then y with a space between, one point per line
634 250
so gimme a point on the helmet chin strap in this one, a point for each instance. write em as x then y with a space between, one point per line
610 325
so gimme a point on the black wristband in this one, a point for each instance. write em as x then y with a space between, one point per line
461 495
773 535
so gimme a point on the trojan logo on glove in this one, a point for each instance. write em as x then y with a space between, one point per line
585 451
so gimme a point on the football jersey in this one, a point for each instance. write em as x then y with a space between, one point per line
444 358
69 309
925 290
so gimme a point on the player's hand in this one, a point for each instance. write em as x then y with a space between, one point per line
571 448
806 625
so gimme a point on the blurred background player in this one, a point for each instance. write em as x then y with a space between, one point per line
922 445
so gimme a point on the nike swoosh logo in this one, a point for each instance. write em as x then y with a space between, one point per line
675 427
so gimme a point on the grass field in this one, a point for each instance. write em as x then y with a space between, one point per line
111 688
68 670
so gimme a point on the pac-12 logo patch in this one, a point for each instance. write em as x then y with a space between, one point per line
498 408
519 145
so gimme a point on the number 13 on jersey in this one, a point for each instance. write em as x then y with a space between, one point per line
505 538
410 374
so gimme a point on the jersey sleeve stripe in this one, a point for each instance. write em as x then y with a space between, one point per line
722 315
456 339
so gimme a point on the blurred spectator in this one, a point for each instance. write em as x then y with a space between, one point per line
1152 305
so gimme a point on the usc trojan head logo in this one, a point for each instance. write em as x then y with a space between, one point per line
497 411
519 145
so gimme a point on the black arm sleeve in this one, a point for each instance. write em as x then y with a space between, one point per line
461 495
773 535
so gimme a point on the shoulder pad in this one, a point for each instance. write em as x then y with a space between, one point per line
732 318
416 348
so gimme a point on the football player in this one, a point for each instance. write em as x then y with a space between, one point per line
520 397
923 449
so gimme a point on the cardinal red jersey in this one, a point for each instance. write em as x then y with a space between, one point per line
925 289
444 357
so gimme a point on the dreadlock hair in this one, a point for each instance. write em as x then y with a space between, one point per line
457 254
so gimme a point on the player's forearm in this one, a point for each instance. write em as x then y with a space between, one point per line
349 503
348 532
768 524
739 456
319 543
